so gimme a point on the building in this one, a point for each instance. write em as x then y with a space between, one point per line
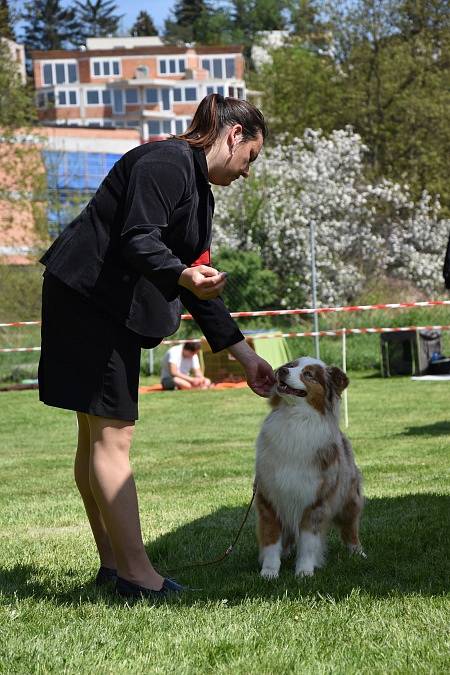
136 83
18 55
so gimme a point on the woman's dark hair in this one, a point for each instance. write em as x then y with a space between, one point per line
215 112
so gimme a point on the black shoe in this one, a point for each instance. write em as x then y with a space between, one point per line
126 589
105 575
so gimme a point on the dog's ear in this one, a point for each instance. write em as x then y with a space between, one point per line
338 379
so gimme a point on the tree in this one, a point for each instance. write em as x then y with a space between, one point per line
187 22
47 25
364 230
6 23
96 18
301 89
143 25
16 100
386 73
249 285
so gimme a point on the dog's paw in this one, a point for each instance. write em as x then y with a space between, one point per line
357 549
304 569
269 573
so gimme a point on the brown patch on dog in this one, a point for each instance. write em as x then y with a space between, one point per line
338 379
275 401
313 377
269 527
349 517
313 518
328 456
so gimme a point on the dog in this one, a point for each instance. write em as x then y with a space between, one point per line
306 476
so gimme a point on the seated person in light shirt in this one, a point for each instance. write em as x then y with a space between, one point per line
177 365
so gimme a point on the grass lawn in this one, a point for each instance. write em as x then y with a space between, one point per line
193 461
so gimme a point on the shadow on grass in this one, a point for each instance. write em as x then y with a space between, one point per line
436 429
404 537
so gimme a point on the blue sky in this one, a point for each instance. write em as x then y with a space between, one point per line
158 9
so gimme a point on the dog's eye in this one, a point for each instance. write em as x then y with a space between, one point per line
308 375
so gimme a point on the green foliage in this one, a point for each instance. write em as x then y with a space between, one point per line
20 291
248 285
16 101
6 24
301 90
97 18
386 73
143 25
47 25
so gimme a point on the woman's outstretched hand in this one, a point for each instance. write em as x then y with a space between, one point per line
203 281
259 373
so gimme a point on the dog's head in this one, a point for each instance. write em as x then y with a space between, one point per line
308 381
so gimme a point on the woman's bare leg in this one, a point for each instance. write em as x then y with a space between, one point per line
113 487
81 471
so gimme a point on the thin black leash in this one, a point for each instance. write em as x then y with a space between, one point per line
224 555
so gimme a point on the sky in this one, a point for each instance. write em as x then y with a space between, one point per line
158 9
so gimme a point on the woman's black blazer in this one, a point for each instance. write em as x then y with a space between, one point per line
150 219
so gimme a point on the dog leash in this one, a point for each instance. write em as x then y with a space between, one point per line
230 548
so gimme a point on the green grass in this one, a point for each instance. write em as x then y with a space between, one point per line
193 461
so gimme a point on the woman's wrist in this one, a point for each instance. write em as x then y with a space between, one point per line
243 353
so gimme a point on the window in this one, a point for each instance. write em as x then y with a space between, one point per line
231 91
105 68
64 97
92 97
177 94
118 103
220 90
59 73
50 98
209 90
217 68
131 96
153 128
106 97
172 65
179 126
133 123
240 92
190 93
167 127
151 96
48 79
230 70
220 66
41 100
72 72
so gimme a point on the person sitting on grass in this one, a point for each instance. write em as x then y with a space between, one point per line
180 368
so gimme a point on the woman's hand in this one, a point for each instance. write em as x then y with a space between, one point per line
203 281
259 374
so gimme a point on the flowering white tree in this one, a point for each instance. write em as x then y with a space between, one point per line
362 230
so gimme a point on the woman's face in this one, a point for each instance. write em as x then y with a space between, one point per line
230 157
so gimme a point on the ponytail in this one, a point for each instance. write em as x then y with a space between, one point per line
215 112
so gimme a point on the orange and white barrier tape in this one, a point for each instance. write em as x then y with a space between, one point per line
293 312
267 336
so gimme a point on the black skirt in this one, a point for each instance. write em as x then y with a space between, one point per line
89 362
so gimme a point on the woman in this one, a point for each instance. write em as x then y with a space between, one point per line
115 281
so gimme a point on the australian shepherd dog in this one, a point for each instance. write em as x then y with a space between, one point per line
306 476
